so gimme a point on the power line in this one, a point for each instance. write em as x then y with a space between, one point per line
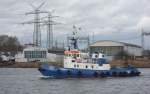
37 22
50 24
131 38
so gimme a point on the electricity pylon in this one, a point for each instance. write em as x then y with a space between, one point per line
49 23
143 33
37 21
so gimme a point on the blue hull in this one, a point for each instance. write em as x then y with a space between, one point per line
57 72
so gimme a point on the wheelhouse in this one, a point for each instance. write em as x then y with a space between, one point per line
72 54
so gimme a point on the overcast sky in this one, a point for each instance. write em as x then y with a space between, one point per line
119 20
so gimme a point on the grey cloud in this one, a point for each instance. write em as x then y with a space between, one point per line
107 18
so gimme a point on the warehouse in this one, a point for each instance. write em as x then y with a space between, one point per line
112 48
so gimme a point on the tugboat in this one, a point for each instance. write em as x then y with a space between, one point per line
81 65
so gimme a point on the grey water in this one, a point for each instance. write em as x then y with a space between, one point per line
30 81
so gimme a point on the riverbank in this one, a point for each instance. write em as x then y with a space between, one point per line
136 63
26 65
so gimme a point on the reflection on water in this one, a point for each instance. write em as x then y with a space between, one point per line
29 81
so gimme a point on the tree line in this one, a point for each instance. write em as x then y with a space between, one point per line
9 44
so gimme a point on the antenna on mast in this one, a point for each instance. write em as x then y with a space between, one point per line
74 38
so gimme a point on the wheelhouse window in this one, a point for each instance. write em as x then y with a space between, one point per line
74 55
78 55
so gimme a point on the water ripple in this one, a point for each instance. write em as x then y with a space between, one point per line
29 81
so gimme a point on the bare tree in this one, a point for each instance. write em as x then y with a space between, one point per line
9 44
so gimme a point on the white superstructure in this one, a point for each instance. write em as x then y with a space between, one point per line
75 59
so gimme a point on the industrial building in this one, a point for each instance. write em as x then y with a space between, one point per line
111 48
31 54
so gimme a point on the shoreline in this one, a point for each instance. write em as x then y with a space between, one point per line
26 64
114 63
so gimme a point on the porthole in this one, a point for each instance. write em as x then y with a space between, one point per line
102 55
86 66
